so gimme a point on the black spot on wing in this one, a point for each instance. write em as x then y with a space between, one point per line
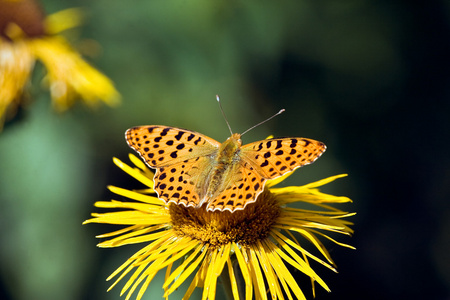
197 141
279 144
306 142
165 131
179 135
293 143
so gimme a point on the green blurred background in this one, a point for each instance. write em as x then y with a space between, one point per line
368 78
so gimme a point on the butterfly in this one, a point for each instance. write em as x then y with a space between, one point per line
193 169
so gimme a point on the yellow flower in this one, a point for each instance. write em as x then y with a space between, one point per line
26 35
250 250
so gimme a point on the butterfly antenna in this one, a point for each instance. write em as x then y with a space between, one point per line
223 114
281 111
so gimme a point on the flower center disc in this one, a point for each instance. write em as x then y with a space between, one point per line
222 227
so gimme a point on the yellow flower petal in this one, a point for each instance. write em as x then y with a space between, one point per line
245 272
145 177
16 63
255 265
181 268
234 287
186 273
63 20
69 76
136 196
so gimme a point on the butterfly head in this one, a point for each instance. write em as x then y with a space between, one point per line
236 137
231 145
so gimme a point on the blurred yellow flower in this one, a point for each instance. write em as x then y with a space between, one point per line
26 35
250 250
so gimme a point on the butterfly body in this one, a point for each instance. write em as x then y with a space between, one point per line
216 177
193 169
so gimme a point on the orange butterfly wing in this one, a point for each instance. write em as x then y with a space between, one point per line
244 187
263 160
179 157
276 157
179 183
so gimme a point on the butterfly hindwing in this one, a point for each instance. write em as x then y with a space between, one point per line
163 146
276 157
179 183
245 186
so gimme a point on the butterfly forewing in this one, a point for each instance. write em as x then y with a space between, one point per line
276 157
180 157
162 146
